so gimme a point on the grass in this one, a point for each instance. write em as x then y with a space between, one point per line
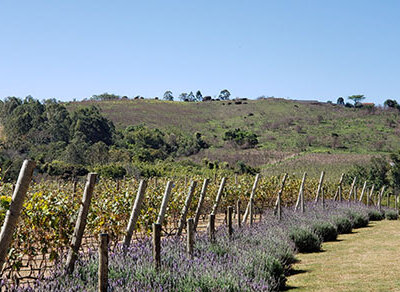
317 131
365 260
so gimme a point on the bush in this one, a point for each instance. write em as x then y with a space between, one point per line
305 240
114 171
391 215
343 225
325 231
358 220
375 215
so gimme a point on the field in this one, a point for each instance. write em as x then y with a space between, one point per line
290 132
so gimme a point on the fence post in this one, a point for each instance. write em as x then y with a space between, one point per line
135 214
75 183
363 191
380 198
395 204
370 194
252 194
321 181
164 203
190 237
388 200
157 245
211 227
103 263
238 213
323 198
80 223
230 228
251 211
352 188
12 215
219 195
340 188
186 207
200 203
301 191
278 203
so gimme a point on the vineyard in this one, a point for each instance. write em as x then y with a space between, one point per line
43 235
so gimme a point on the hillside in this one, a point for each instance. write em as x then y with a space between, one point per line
285 128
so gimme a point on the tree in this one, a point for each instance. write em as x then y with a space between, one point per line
105 96
340 101
191 97
199 96
356 98
224 94
183 96
168 95
391 103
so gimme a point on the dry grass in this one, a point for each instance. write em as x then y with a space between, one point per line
367 260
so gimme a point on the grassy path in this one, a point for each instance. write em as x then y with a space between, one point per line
366 260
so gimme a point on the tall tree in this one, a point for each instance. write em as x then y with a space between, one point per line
191 97
356 98
199 96
168 95
183 96
340 101
224 94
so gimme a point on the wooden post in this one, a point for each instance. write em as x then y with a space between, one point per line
164 203
190 237
363 191
370 195
302 202
185 209
251 212
340 188
355 193
103 263
238 213
219 195
395 203
135 214
380 198
12 215
352 188
200 203
211 227
80 223
236 178
323 198
75 183
388 200
157 245
230 228
280 191
252 194
117 185
301 191
321 181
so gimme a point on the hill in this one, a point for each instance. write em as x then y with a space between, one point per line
290 133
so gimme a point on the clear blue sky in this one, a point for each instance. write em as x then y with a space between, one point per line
318 49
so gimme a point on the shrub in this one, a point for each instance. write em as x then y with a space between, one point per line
343 225
113 170
325 231
305 240
391 215
358 220
375 215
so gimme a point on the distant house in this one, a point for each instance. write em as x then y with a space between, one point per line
368 104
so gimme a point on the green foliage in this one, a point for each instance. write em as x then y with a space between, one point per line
63 169
224 94
375 215
356 98
325 231
391 215
113 171
375 172
243 168
245 139
168 96
305 240
343 225
105 96
358 220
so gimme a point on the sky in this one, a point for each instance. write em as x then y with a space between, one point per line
313 50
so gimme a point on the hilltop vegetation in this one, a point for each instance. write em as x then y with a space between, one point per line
119 136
